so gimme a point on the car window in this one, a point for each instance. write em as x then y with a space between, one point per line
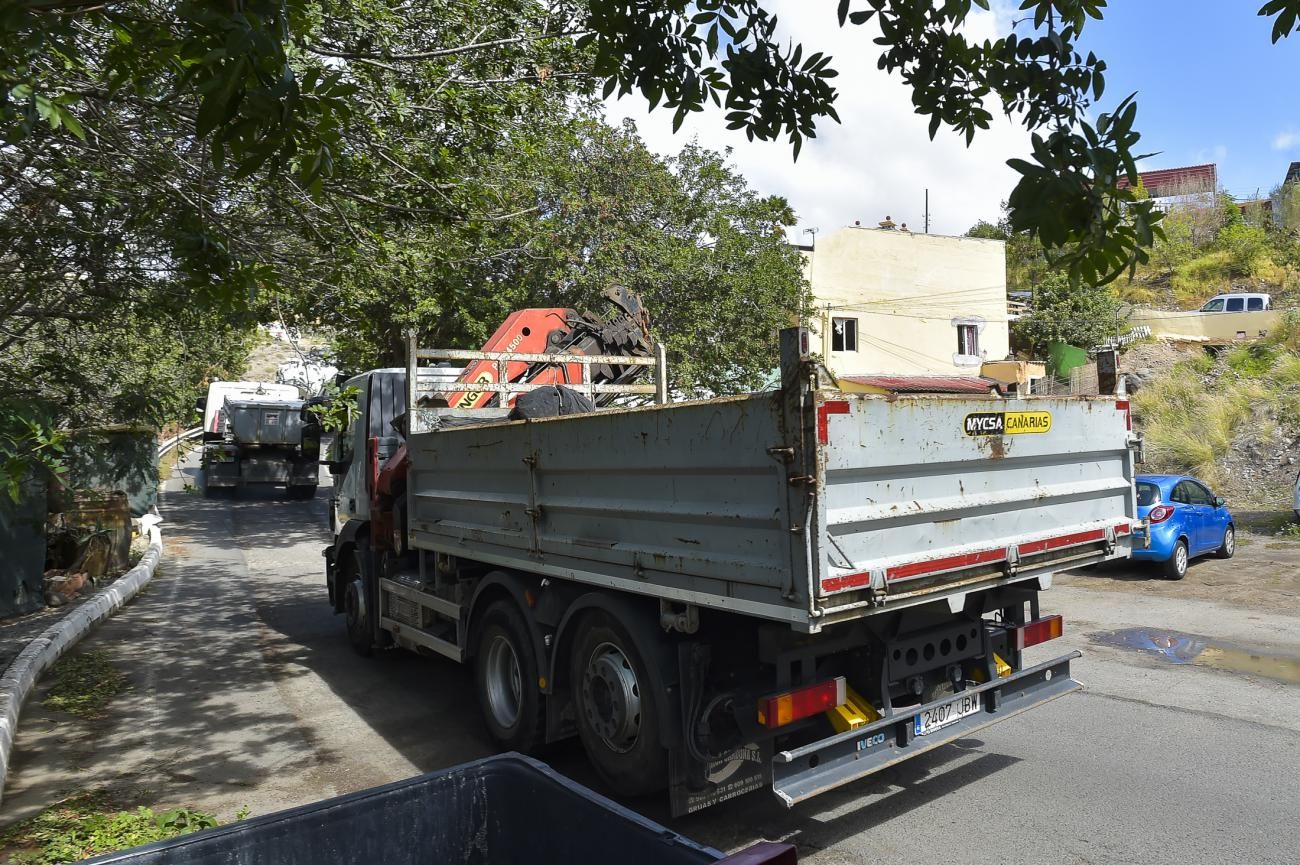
1254 304
1198 495
1236 304
1215 305
1148 494
1180 494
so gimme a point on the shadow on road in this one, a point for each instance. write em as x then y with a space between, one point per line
853 809
229 653
1131 571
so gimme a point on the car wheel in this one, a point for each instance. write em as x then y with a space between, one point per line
1229 545
618 719
1176 566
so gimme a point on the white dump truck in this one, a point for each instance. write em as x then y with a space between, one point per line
787 590
256 433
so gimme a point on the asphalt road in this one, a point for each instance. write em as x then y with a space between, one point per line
243 693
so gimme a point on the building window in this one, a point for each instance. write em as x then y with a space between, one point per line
844 334
968 340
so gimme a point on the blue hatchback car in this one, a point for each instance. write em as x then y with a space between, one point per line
1185 519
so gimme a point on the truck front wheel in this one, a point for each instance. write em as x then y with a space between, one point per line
617 708
356 606
506 678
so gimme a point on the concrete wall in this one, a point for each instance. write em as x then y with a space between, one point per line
1214 328
908 293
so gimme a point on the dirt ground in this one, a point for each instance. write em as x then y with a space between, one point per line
1263 575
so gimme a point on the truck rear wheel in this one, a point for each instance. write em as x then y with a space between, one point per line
506 679
617 708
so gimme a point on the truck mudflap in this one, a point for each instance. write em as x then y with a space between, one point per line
815 768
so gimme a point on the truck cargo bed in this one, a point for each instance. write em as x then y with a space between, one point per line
803 506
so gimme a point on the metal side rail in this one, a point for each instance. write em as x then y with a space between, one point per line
807 771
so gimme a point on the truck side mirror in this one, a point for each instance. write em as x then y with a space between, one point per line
201 403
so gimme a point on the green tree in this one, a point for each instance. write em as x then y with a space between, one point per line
1027 264
593 207
1077 315
1286 207
276 85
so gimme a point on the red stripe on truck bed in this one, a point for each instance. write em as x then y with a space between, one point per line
824 411
950 563
911 570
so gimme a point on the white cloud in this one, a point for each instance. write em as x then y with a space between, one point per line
879 160
1216 154
1286 140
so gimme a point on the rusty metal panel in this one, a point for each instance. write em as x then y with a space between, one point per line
739 504
680 501
918 487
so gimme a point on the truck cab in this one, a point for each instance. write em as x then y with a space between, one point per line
380 398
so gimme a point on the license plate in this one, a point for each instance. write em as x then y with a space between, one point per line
949 713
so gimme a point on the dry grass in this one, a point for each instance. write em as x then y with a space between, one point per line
1188 426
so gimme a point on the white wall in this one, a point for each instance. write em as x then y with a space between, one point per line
908 292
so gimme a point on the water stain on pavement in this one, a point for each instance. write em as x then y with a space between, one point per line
1180 648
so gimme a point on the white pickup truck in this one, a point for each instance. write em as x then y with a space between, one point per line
790 589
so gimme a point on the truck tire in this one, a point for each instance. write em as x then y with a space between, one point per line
1175 568
356 606
617 710
506 679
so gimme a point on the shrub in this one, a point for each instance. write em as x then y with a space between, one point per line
1246 246
88 823
1254 360
1076 315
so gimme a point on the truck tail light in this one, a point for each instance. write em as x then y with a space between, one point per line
1038 631
1159 514
782 709
1123 405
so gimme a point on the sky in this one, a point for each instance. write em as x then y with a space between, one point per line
1211 88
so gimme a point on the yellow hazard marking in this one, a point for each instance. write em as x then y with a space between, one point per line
856 712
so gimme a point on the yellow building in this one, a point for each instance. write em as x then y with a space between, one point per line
891 301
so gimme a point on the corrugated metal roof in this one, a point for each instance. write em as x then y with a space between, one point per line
1189 180
924 383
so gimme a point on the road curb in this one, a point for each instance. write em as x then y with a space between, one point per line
47 648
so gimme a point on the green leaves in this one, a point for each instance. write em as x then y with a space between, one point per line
1068 195
768 89
29 445
1083 315
1288 17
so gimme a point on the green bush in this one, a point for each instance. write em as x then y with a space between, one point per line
1076 315
1286 372
1254 360
88 824
1202 363
1247 248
